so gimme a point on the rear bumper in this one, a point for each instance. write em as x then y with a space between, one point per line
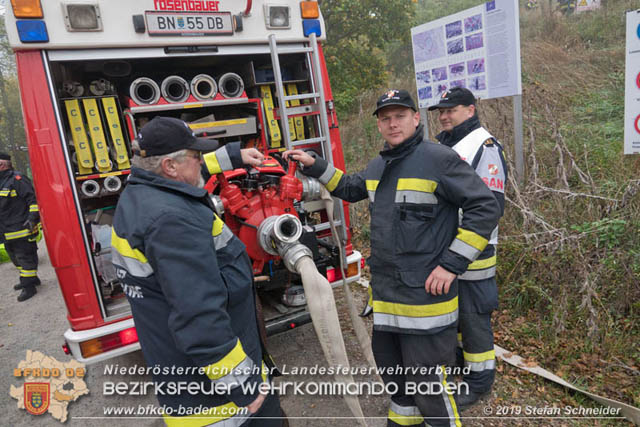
74 338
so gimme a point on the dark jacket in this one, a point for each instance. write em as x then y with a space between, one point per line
17 205
190 284
415 191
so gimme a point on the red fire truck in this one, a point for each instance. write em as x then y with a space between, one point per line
91 73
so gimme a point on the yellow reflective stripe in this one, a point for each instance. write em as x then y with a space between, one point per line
405 420
34 208
370 292
122 246
211 160
482 263
459 336
333 182
479 357
416 310
210 416
226 365
17 234
28 273
452 401
372 185
417 184
4 193
13 193
218 225
472 239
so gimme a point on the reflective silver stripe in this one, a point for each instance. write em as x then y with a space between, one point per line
222 239
407 411
239 374
223 159
17 234
133 266
493 240
478 274
481 366
28 273
372 196
464 249
409 196
449 401
420 323
327 175
235 421
367 310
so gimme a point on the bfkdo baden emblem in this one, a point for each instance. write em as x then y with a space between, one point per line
36 397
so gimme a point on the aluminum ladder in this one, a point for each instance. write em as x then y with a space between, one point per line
318 104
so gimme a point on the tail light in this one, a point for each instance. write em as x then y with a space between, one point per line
109 342
335 274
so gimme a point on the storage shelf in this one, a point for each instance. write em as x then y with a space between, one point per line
188 105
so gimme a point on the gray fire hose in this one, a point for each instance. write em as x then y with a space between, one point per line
279 234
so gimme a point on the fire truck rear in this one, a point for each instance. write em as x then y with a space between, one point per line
91 73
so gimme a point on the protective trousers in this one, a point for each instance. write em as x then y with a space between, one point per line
269 415
24 255
420 395
477 299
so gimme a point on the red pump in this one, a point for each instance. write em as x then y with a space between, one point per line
250 197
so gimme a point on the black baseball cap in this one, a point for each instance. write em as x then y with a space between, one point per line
395 97
5 156
165 135
453 97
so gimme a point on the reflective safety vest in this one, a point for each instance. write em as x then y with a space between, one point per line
484 153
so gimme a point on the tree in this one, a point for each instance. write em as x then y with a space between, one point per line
357 35
12 136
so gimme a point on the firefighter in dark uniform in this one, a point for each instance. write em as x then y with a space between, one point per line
189 281
478 291
19 225
415 188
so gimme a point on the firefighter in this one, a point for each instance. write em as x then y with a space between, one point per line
415 188
19 225
477 288
190 282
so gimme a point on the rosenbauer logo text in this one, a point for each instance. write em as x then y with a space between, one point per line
188 5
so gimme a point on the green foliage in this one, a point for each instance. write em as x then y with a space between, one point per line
4 257
607 231
357 33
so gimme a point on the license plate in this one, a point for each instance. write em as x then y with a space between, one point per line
160 23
